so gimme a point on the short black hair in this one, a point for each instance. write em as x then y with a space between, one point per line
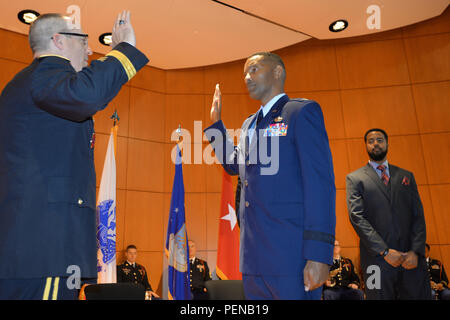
376 129
131 246
274 59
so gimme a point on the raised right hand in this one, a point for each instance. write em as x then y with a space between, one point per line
216 107
123 32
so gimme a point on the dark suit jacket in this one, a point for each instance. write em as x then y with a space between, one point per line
47 177
287 217
385 217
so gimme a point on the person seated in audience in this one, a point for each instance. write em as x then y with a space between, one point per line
343 282
199 273
130 271
438 278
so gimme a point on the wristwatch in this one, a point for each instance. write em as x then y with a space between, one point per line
385 252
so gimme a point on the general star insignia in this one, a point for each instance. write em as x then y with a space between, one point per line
231 216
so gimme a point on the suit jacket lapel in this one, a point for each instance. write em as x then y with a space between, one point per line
374 176
274 112
249 146
393 179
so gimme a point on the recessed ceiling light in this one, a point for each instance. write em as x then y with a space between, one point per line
105 38
338 25
27 16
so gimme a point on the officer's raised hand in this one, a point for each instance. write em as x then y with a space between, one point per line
123 30
216 107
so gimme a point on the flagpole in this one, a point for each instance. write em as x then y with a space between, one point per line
115 117
180 134
114 130
106 212
176 248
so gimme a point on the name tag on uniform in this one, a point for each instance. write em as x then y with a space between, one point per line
276 130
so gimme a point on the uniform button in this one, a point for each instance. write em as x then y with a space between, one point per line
247 163
80 201
246 182
247 204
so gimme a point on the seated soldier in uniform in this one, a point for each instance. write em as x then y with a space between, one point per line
343 282
130 271
199 273
438 278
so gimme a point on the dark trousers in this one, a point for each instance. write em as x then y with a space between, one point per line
50 288
399 283
277 288
440 295
199 294
342 294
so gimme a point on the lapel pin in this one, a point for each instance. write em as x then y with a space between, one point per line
278 119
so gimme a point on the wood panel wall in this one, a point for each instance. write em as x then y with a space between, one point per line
398 80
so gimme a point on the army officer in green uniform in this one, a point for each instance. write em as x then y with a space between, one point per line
130 271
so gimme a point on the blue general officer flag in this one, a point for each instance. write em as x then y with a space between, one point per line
177 249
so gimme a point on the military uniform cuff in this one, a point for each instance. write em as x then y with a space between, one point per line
216 125
129 57
319 251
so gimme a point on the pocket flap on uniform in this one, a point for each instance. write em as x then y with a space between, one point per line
64 189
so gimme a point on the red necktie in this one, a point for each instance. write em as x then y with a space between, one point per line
384 176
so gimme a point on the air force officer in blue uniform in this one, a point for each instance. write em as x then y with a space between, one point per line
47 177
287 205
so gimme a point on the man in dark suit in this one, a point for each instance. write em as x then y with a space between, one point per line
131 271
47 176
385 210
287 207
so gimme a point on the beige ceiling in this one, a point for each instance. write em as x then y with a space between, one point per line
189 33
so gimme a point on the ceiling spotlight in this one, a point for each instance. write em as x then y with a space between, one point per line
27 16
338 25
105 38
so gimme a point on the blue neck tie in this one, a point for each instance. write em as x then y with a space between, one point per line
260 117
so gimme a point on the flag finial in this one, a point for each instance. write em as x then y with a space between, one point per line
179 132
115 116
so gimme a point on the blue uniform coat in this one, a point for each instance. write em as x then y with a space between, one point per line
288 217
47 176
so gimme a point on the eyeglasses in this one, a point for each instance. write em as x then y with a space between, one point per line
83 35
